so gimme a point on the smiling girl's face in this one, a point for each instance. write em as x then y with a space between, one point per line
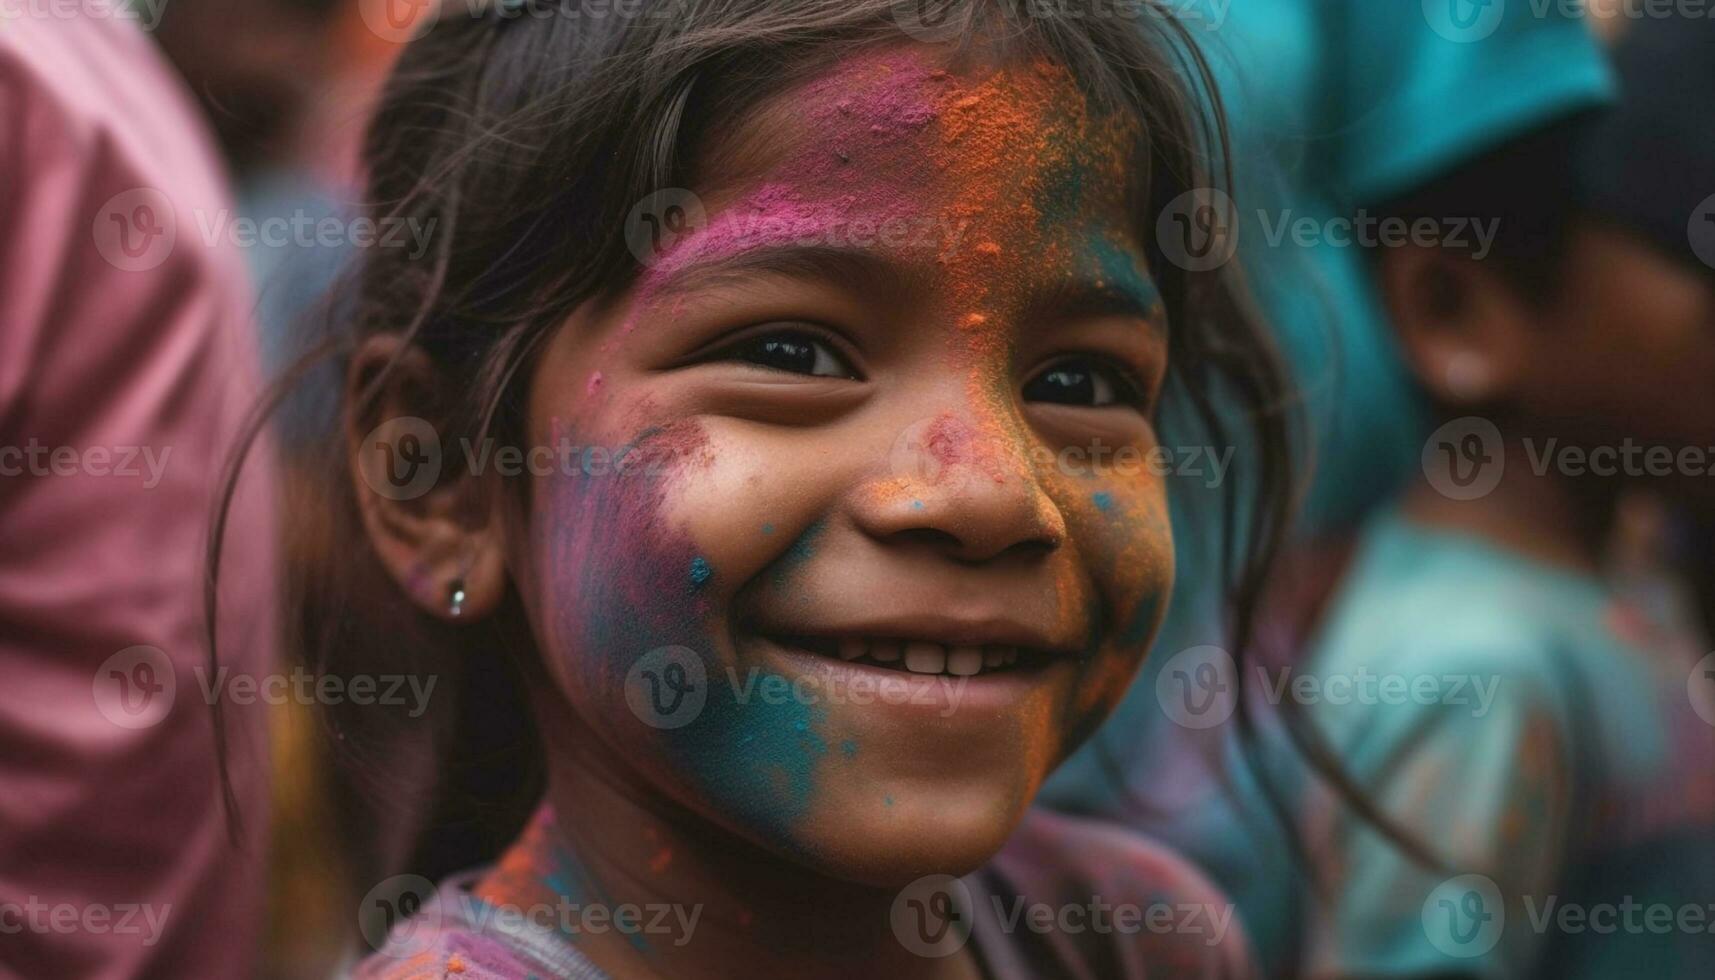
872 413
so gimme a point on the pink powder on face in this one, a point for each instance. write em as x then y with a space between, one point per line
593 388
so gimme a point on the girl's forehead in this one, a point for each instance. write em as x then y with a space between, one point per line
993 179
910 119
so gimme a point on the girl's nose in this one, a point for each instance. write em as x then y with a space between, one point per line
967 488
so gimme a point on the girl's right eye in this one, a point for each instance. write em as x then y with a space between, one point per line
792 351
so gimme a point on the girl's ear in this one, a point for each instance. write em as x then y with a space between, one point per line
428 520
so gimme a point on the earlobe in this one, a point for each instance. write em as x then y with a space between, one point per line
1460 327
427 522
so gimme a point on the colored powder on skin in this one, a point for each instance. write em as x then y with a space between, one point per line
887 801
1104 502
767 529
1143 620
593 387
850 748
700 572
796 554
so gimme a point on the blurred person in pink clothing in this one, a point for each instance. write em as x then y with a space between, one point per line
127 364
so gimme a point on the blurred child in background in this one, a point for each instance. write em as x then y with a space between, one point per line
1335 108
1548 757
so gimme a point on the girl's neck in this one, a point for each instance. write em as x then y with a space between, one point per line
1549 517
710 903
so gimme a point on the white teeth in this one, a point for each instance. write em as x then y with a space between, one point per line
851 649
925 658
884 651
964 661
993 656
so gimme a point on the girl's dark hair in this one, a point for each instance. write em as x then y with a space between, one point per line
522 137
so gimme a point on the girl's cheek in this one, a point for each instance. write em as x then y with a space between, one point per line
615 578
1126 541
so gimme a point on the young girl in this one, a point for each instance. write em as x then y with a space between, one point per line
759 423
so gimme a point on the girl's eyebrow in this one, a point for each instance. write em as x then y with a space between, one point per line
875 275
1079 299
864 272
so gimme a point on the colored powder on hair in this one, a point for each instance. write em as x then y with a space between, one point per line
700 572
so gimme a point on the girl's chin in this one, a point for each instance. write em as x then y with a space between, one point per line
891 851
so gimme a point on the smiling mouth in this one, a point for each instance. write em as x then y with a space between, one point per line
918 656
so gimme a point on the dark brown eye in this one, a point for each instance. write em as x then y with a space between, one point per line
1082 381
794 352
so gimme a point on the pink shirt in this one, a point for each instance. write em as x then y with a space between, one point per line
126 366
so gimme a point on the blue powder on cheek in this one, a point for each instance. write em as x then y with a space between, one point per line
767 529
701 571
887 801
759 754
917 505
800 552
849 747
1142 620
1104 502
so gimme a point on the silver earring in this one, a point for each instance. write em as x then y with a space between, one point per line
456 597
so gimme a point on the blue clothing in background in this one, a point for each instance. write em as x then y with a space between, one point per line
1533 730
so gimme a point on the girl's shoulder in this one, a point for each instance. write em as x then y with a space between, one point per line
1077 898
456 936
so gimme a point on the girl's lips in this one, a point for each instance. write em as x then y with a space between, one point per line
871 686
917 655
837 636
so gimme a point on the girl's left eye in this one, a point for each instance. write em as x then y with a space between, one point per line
792 351
1084 381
